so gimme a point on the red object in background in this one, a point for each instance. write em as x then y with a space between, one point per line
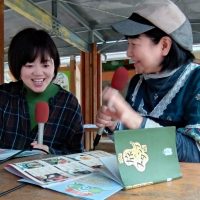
120 78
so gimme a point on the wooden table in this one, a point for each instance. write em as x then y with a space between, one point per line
186 188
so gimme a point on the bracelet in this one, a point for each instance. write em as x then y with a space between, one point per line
144 120
117 126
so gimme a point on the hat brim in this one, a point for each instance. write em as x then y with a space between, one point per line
129 27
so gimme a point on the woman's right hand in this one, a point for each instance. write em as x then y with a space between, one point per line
104 118
116 109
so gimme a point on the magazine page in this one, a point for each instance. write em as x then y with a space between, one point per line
6 153
98 153
40 171
71 167
86 159
93 186
110 168
55 169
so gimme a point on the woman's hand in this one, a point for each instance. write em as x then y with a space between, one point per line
40 146
117 109
104 118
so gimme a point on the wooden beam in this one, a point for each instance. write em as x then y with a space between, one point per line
99 81
1 41
86 98
94 79
73 75
91 90
39 16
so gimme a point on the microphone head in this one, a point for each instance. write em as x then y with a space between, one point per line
41 112
120 78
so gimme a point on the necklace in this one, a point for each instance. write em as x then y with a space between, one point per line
155 96
170 75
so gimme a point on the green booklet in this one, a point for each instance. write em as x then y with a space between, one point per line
144 156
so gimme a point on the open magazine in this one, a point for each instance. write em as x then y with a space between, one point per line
7 153
78 174
98 174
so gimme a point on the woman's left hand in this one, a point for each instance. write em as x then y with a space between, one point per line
40 146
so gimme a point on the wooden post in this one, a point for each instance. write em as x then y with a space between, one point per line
72 69
91 90
1 41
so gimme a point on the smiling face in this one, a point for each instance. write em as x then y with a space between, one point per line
146 55
37 75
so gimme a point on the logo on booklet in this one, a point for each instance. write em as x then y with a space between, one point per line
168 151
137 156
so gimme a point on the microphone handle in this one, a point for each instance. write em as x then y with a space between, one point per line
98 137
40 133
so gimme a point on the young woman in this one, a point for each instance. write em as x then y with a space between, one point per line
33 61
166 89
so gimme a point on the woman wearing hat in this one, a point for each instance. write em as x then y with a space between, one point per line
166 88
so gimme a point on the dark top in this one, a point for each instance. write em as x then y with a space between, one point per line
169 99
63 132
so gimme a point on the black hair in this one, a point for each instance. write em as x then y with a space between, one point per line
27 45
177 55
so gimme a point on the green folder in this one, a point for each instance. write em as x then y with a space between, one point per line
147 156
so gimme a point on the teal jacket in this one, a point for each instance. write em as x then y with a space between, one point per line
169 99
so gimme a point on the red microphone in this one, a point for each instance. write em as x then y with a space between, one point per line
41 117
119 81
